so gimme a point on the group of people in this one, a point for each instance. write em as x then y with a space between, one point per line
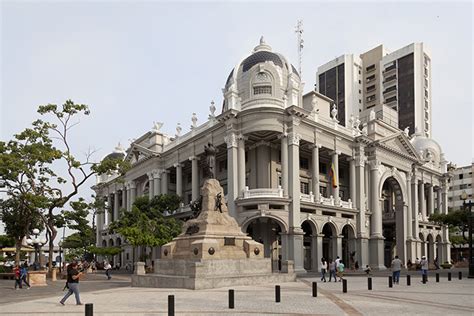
335 268
21 275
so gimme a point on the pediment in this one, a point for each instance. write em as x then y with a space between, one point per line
399 143
138 153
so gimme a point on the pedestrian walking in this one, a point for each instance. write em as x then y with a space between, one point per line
332 270
16 271
424 267
340 270
108 270
396 268
324 267
72 284
24 275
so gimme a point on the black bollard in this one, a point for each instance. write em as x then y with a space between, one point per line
315 289
89 309
344 286
369 284
277 294
460 275
437 277
390 281
170 305
449 276
408 280
231 298
424 278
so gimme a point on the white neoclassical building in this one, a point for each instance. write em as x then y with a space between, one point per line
294 178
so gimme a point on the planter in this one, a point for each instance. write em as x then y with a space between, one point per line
37 278
446 266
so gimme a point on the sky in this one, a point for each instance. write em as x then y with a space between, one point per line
136 62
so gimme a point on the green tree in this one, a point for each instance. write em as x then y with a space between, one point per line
145 225
76 219
457 221
26 164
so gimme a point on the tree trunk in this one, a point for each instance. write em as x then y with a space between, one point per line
18 250
52 232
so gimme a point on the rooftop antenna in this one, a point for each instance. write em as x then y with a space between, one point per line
299 34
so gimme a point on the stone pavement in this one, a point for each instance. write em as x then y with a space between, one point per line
444 298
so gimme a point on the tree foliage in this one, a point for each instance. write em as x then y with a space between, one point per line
28 164
457 220
145 224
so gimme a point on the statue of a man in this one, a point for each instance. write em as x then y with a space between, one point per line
210 163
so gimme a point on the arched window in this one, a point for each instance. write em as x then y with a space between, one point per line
262 84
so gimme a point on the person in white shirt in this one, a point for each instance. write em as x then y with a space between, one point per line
324 267
108 269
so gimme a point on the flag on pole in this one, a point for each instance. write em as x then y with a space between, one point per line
332 174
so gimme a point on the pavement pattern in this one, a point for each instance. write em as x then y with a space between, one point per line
116 297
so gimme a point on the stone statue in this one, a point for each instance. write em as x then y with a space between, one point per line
194 119
178 130
210 161
212 109
157 126
407 131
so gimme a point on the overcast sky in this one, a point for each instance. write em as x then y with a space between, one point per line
138 62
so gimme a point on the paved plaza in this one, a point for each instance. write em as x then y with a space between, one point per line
115 297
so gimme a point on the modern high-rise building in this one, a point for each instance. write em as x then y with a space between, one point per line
399 80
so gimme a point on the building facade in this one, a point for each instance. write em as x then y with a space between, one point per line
461 181
399 80
294 177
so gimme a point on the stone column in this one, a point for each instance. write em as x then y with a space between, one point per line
263 166
179 179
116 206
315 173
133 192
445 232
151 186
438 200
156 182
422 202
232 177
284 163
127 185
339 248
376 237
109 209
98 219
252 183
415 207
409 220
335 191
164 181
352 170
295 236
194 178
362 236
319 250
430 200
241 165
124 197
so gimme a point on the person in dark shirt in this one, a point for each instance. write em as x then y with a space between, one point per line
73 276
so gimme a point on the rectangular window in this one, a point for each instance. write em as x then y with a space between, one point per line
262 90
370 98
322 168
189 177
461 176
173 178
304 163
222 165
370 78
304 187
371 88
370 68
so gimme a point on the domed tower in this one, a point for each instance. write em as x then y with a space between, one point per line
430 151
265 79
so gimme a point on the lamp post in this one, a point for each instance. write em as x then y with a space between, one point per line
60 244
468 206
37 243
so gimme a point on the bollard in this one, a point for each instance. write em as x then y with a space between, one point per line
344 286
89 309
277 294
437 277
460 275
424 278
390 281
315 289
408 280
170 305
231 298
449 276
369 284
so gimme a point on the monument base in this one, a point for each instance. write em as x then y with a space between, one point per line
208 274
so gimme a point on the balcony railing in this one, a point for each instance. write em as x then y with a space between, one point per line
258 193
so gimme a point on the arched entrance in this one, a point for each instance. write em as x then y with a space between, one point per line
348 246
431 249
308 246
393 228
268 231
329 242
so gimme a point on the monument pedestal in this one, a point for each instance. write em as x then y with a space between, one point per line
212 252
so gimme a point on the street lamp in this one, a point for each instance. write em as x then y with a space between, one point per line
37 243
471 215
60 244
